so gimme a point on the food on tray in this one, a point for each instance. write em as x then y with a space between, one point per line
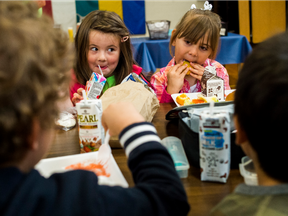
181 98
97 168
188 66
207 99
230 97
187 102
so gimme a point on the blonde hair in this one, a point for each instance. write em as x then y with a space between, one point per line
106 22
195 24
35 60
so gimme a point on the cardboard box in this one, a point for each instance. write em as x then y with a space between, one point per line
212 85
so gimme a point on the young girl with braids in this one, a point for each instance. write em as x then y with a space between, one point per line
195 40
102 40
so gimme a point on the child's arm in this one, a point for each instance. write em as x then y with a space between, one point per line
158 189
175 78
159 82
77 96
222 72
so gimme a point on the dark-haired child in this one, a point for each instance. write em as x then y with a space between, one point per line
261 117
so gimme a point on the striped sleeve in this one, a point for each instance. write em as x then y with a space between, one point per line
138 134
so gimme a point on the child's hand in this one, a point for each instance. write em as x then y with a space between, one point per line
197 71
77 97
118 116
175 78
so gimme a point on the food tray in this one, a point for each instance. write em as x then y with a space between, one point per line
194 95
48 166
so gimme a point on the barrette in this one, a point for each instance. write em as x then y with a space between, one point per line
207 6
125 38
193 6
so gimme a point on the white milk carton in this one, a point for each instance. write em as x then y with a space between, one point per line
91 132
211 84
214 146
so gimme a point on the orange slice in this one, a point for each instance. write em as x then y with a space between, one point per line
188 66
197 101
181 98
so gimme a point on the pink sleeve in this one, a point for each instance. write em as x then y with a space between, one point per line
159 83
74 86
166 97
222 72
74 89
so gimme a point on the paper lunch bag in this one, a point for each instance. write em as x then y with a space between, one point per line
144 101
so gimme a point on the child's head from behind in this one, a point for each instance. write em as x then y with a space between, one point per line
261 103
103 39
196 36
35 61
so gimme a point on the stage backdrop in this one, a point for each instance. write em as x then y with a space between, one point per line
67 13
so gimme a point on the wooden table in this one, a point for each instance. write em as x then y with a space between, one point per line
202 195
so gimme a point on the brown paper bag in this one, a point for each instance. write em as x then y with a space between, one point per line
143 100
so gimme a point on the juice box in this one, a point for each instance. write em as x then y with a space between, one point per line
94 86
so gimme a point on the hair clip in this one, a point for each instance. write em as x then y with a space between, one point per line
193 6
125 38
207 6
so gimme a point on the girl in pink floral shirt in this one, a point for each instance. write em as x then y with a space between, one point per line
196 40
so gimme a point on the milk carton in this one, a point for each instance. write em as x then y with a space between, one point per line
214 146
91 132
211 84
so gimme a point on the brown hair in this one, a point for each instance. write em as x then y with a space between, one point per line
195 24
35 60
107 22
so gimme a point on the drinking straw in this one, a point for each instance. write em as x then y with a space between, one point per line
211 107
100 70
84 96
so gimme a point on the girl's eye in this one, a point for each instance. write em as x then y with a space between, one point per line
94 49
111 49
187 42
204 48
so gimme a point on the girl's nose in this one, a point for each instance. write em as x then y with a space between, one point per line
193 50
102 56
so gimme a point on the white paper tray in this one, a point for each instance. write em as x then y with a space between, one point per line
194 95
48 166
